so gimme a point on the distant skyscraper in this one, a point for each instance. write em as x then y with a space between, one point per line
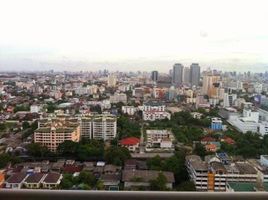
154 75
186 75
170 73
194 74
177 74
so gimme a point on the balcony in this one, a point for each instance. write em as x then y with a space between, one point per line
128 195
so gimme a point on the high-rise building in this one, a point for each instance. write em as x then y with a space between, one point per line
177 74
52 134
194 74
211 85
104 127
100 127
154 76
111 80
186 75
229 99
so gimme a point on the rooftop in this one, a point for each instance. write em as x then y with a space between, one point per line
16 178
145 175
34 178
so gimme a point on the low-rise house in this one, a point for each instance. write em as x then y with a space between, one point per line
228 140
130 164
207 140
110 181
211 147
72 168
131 143
111 169
57 166
52 180
196 115
98 171
88 166
16 180
142 178
159 139
34 181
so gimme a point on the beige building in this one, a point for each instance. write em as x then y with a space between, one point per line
55 133
211 84
111 81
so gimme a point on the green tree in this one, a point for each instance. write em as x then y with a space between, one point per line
89 150
200 150
87 178
116 155
25 125
155 163
37 150
100 185
186 186
68 148
67 182
127 127
159 184
51 107
176 164
6 158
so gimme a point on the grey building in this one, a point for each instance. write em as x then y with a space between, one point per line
177 74
186 75
154 76
194 74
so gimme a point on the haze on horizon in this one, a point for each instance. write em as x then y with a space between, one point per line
133 35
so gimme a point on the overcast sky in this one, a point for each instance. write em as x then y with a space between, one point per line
130 35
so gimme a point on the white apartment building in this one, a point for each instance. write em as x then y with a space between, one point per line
263 128
34 108
153 110
159 139
229 99
86 127
118 97
213 174
248 122
98 127
104 127
130 110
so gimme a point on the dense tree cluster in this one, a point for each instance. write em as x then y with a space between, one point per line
84 181
127 127
116 155
84 150
185 128
248 145
175 164
6 158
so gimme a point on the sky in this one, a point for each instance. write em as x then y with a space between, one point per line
133 34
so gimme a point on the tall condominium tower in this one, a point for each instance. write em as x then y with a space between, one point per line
177 74
194 74
154 75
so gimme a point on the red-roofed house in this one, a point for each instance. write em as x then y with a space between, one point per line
211 147
131 143
207 140
228 140
71 169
